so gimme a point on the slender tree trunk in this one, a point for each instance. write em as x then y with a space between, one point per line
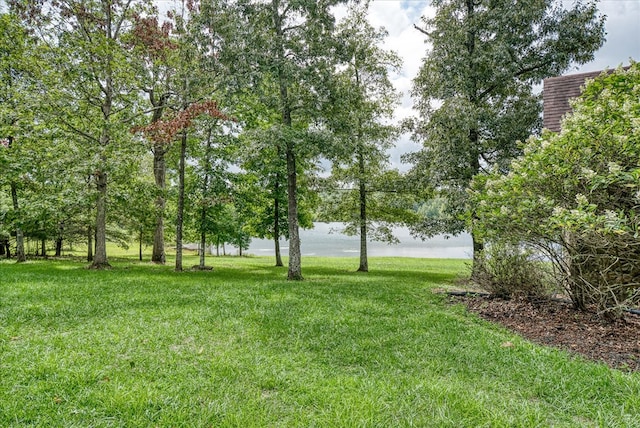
362 190
59 239
7 248
205 191
295 259
364 262
43 247
89 244
276 221
58 247
478 245
203 243
276 242
140 239
474 137
100 258
180 214
20 254
295 262
158 254
89 229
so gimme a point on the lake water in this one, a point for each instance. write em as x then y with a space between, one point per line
320 241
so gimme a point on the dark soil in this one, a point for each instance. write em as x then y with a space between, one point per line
558 324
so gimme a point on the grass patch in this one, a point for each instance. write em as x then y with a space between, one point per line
141 345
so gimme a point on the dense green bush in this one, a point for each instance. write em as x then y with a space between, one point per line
507 270
575 196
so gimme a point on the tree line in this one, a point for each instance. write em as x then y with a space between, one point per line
118 120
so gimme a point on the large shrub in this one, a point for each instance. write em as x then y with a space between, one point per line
575 196
506 270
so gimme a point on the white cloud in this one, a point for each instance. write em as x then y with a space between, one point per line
398 18
623 35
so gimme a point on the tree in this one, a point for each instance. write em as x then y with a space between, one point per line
264 191
474 89
15 111
135 200
89 85
362 99
178 127
574 196
156 54
210 184
51 187
267 196
196 47
283 54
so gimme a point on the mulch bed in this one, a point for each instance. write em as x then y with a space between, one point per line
557 324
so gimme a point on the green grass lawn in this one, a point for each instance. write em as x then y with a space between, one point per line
141 345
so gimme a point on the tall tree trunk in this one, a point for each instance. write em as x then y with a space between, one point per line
43 246
7 248
295 259
295 262
89 244
20 254
100 258
276 221
59 239
276 242
140 238
158 254
364 262
205 191
362 190
180 213
478 245
203 243
474 136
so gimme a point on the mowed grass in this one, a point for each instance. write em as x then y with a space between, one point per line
141 345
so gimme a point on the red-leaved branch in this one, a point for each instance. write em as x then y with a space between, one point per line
165 131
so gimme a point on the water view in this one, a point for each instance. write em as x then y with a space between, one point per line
323 240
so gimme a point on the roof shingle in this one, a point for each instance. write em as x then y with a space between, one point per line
556 93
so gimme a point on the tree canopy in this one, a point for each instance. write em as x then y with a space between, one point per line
474 91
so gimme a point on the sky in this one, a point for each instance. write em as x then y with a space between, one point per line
399 16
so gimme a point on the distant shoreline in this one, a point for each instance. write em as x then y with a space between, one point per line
320 242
